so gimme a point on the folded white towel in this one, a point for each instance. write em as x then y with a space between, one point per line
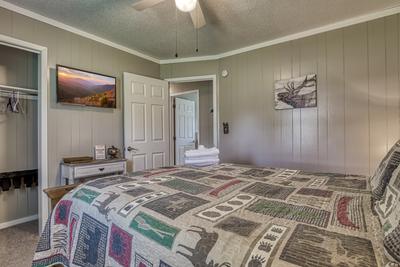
201 163
202 152
212 157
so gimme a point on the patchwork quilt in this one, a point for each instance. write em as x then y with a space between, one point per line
219 216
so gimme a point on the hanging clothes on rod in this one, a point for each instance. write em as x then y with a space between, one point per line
14 94
26 93
8 94
13 104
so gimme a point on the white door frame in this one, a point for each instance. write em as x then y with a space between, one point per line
42 119
172 95
212 78
172 146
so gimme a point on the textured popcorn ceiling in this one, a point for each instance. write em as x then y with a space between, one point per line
231 24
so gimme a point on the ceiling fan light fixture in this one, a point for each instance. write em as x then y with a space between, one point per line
186 5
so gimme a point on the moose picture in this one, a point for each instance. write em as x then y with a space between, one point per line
299 92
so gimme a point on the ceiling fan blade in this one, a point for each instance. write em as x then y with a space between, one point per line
197 16
140 5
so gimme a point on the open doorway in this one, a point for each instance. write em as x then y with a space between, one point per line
192 116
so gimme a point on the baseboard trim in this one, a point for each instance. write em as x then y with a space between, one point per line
18 221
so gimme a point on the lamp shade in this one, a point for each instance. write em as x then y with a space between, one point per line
186 5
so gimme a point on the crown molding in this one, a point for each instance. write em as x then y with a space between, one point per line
291 37
71 29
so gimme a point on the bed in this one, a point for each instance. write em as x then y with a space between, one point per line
219 216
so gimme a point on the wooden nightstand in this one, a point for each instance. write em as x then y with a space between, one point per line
71 172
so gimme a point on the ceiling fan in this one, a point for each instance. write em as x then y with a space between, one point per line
191 6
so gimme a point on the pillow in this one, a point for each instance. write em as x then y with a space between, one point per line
388 209
391 243
381 178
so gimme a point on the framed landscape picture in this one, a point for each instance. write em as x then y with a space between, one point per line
298 92
79 87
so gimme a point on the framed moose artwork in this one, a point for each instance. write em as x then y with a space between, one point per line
298 92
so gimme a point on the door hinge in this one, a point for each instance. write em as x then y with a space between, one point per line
173 106
174 138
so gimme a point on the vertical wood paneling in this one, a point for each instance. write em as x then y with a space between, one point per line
335 80
296 158
225 92
266 111
392 79
243 116
5 21
286 115
23 27
356 99
377 91
322 102
256 101
309 116
277 124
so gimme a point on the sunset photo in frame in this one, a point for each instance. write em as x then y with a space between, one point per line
79 87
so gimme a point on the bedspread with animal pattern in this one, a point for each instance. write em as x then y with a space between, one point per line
218 216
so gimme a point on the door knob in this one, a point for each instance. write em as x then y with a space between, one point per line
132 149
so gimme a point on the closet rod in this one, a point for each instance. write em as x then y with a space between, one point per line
4 93
19 89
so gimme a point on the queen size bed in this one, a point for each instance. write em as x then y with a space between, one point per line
227 215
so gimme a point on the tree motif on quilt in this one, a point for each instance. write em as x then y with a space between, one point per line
92 241
120 246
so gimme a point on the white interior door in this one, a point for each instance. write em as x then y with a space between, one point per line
146 122
185 124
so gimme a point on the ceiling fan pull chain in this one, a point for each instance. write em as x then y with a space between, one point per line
176 32
197 30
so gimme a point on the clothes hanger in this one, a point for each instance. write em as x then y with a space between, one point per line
19 105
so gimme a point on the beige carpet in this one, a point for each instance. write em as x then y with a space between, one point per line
18 244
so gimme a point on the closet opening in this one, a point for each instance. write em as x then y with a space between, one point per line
18 136
23 133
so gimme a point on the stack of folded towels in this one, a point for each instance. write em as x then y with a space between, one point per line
202 157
